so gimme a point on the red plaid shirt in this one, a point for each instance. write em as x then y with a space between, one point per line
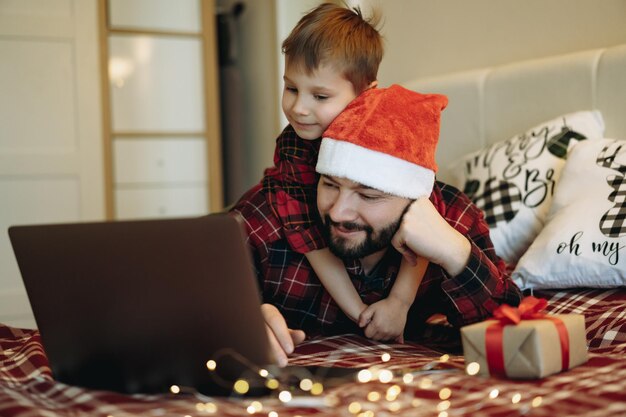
290 187
287 280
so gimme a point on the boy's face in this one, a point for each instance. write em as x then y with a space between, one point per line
311 101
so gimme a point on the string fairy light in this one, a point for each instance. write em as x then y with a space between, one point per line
272 383
472 368
284 396
371 403
385 376
306 384
364 375
317 388
354 407
241 386
445 393
407 378
373 396
443 406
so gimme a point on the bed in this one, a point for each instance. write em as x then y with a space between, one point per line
500 112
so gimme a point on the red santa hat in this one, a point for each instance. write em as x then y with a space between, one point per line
385 139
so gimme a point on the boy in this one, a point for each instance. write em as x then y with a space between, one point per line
331 56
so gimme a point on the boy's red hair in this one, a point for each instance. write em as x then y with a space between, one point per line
340 37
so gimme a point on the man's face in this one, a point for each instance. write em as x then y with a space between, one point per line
359 221
311 101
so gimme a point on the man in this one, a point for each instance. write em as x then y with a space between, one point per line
378 201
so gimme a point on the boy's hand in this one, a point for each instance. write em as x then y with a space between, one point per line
385 320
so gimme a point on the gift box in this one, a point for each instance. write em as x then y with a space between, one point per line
523 342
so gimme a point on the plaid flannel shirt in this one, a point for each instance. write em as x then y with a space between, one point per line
290 187
287 280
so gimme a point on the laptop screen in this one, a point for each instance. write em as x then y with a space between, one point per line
138 306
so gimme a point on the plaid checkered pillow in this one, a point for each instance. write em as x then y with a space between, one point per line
512 181
583 243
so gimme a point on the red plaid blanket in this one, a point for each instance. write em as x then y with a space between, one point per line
425 382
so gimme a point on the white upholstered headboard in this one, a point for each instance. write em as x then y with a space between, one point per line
492 104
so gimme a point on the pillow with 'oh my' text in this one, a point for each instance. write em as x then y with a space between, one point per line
583 243
513 181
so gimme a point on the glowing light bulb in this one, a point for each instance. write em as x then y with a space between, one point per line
257 406
317 389
373 396
394 406
516 398
472 368
385 357
445 393
174 389
211 365
241 386
443 406
426 383
284 396
407 378
263 373
494 393
364 375
385 376
354 407
306 384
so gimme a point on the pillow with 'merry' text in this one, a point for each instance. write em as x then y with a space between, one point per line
513 181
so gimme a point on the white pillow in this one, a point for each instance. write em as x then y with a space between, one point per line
512 181
584 241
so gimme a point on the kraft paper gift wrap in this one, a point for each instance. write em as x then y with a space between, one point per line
526 344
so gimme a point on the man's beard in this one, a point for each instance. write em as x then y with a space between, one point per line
373 242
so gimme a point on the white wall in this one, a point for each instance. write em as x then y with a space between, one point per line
433 37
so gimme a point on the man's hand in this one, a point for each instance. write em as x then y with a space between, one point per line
423 232
385 320
282 339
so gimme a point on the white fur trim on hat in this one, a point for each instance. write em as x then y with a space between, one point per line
374 169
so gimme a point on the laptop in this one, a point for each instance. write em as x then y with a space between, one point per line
141 306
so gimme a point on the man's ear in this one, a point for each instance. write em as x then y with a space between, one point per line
373 84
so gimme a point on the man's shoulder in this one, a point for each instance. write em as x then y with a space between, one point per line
448 193
453 203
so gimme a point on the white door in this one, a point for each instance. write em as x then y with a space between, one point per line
51 164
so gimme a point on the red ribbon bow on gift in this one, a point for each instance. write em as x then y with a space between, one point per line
529 309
